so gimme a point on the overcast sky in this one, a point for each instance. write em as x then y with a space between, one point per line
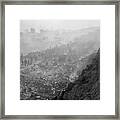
57 24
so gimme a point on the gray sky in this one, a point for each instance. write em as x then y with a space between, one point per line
57 24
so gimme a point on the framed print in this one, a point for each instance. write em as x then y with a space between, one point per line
59 59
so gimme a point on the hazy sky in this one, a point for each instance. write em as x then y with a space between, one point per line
57 24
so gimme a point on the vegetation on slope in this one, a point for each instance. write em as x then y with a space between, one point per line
87 86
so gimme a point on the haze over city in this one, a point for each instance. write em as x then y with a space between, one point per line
57 24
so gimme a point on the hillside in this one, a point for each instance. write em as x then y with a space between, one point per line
87 86
61 81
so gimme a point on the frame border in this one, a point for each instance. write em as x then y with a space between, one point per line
59 2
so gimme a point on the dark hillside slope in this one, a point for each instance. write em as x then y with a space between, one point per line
87 86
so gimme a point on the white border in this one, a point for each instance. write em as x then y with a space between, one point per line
104 13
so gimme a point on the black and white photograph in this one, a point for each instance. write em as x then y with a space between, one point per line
59 59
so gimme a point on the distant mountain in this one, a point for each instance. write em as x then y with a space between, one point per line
87 86
86 39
